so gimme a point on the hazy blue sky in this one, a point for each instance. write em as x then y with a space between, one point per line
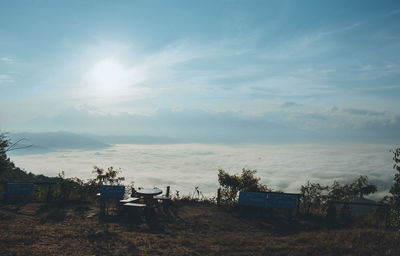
254 70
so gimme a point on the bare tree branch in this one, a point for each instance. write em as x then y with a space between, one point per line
14 145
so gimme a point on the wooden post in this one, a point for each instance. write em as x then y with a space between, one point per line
219 197
167 194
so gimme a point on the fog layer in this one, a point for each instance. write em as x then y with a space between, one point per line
184 166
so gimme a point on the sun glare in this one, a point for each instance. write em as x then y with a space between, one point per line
107 78
107 72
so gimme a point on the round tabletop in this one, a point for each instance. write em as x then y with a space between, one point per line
149 191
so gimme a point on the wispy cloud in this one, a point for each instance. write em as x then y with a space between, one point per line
5 78
310 44
7 59
362 112
392 13
290 104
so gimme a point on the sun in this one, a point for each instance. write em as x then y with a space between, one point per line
108 81
107 78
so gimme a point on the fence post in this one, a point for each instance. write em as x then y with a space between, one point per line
219 197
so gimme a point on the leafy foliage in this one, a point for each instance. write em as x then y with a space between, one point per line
73 188
232 184
395 189
394 200
77 189
109 177
315 195
5 162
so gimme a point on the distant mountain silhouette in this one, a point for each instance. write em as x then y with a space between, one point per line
52 141
132 139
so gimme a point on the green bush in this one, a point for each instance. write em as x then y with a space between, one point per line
394 200
77 189
232 184
315 196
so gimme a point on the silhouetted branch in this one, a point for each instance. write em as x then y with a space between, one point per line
14 145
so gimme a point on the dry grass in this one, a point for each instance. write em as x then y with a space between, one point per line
187 229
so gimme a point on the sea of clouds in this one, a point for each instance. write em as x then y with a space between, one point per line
185 166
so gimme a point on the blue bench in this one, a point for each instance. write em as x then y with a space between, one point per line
110 192
14 189
253 199
268 199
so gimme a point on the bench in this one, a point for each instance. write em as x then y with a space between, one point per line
286 201
252 199
133 210
14 189
129 200
282 200
110 192
135 205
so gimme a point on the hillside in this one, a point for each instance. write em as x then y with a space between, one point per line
185 229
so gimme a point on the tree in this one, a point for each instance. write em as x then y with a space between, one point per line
395 189
107 177
361 187
313 196
338 192
5 162
232 184
6 146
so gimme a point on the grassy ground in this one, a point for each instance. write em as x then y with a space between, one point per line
186 229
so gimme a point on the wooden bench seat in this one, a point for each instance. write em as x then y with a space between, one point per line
135 205
129 200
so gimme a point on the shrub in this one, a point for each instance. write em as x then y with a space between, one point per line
109 177
395 191
77 189
232 184
315 196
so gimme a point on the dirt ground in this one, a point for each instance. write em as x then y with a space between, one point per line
184 229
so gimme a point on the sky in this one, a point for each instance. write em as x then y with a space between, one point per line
203 71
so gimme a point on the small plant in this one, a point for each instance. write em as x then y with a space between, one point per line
177 196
